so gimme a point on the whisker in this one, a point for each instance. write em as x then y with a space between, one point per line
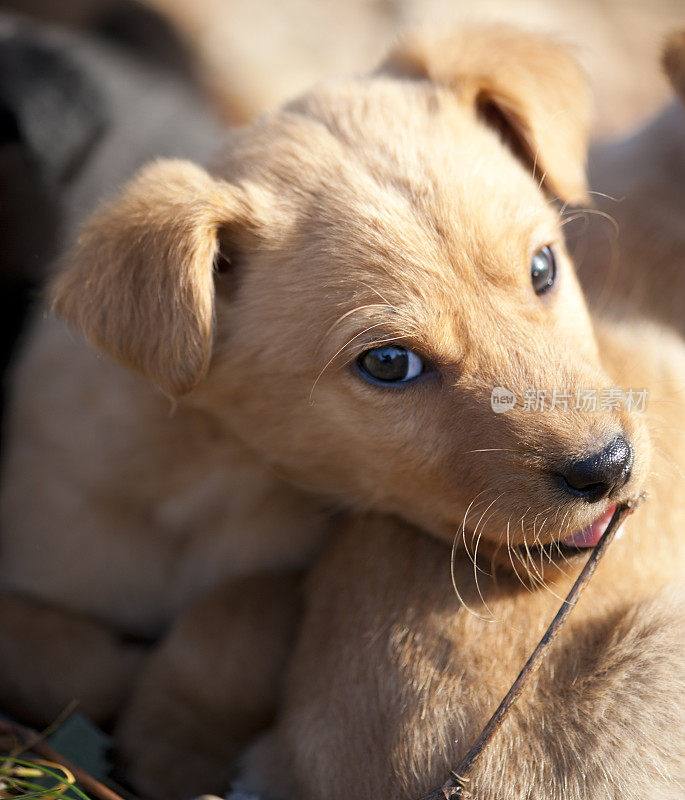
605 195
515 550
475 530
453 558
337 353
530 564
489 450
464 521
461 600
476 569
349 313
375 291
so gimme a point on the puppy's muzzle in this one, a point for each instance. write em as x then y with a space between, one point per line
599 475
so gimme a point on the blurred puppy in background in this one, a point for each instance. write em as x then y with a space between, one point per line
631 255
78 115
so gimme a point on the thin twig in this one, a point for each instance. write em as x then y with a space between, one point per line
455 785
51 728
32 740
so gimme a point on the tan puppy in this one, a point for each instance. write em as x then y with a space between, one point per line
446 306
330 309
393 678
631 259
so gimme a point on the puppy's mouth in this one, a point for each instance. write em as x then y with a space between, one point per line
576 543
590 535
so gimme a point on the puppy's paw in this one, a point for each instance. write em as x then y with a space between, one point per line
209 688
52 657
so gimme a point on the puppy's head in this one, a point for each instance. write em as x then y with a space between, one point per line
362 271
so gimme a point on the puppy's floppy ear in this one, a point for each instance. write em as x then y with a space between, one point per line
525 85
139 283
673 60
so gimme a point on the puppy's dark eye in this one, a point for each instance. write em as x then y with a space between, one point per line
390 364
543 270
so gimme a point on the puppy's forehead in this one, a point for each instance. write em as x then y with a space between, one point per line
380 173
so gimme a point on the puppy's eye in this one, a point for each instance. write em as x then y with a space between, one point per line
390 364
543 270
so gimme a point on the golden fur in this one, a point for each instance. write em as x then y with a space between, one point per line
402 206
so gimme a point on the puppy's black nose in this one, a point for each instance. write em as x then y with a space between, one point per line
595 477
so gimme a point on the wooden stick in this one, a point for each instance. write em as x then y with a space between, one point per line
32 740
455 785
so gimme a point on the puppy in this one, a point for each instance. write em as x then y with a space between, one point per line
79 118
329 307
630 258
393 677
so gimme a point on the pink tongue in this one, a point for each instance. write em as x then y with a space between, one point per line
588 537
